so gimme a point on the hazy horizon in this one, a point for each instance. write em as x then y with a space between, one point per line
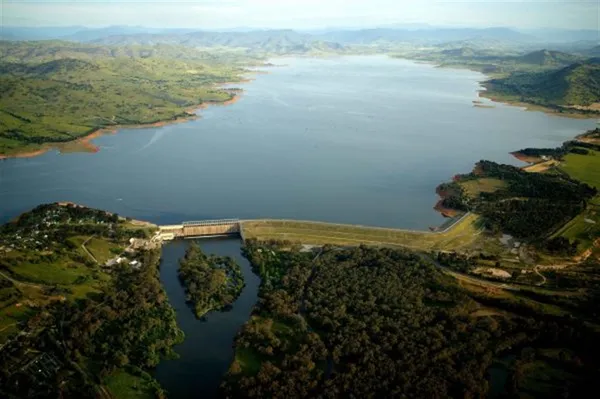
302 14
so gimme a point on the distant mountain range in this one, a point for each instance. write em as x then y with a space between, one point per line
592 52
284 39
370 36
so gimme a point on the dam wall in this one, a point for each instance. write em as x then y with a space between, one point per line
202 228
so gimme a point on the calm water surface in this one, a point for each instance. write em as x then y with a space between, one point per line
353 139
207 351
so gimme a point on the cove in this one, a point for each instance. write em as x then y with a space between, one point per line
361 140
207 351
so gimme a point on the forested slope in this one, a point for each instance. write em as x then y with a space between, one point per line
383 323
575 85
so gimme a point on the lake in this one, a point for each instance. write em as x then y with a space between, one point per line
353 139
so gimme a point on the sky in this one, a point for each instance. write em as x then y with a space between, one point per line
302 14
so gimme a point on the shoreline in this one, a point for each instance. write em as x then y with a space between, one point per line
533 165
500 100
529 107
84 143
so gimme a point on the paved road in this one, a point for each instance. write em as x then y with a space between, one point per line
88 252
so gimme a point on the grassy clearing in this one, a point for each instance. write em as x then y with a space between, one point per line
103 250
586 226
463 234
484 185
249 360
124 385
60 272
10 317
542 379
585 168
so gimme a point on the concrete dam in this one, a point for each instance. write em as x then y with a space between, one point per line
202 228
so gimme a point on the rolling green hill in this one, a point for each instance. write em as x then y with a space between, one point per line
593 52
490 59
547 57
55 92
575 85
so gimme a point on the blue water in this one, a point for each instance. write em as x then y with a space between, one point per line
353 139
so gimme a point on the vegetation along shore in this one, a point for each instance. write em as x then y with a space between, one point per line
551 81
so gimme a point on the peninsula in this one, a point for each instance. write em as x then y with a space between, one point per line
61 95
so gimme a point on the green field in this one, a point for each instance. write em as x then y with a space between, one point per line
248 360
463 234
585 168
475 187
101 249
61 272
586 226
124 385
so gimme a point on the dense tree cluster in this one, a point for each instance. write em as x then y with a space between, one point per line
562 246
459 262
531 207
211 282
370 322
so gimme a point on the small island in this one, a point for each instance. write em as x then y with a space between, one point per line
211 282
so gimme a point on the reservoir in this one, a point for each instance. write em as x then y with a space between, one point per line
352 139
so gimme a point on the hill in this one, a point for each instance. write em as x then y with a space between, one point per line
548 58
289 41
577 85
271 41
592 52
56 92
435 35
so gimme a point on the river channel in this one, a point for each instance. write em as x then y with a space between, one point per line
207 351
